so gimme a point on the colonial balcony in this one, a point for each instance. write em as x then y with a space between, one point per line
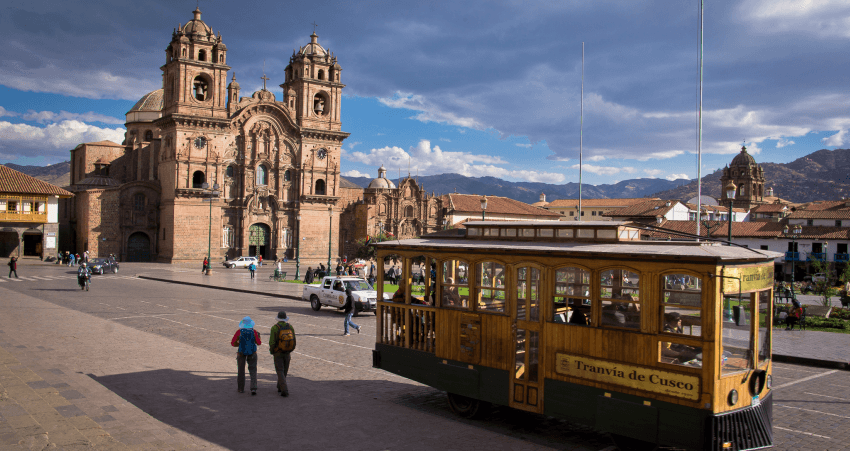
817 256
792 256
842 257
23 216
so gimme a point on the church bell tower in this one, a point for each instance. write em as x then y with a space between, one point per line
313 88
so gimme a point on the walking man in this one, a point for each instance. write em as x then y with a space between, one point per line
72 260
13 267
247 339
281 345
349 312
206 265
252 267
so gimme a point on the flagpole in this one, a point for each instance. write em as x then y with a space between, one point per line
581 135
699 119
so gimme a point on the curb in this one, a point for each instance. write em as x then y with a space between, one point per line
819 363
237 290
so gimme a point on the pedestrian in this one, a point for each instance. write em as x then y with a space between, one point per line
338 269
13 267
78 259
308 276
246 339
397 274
71 260
206 265
279 269
260 260
281 345
794 315
86 256
349 312
252 267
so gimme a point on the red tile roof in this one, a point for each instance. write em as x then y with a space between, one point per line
720 229
716 208
823 205
647 208
769 208
561 203
820 214
495 204
15 182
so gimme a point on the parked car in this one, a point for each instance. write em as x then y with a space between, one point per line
103 265
819 277
241 262
331 292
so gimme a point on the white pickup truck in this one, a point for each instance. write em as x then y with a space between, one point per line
331 292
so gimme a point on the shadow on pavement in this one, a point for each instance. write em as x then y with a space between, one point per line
346 414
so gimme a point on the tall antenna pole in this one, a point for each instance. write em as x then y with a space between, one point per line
581 134
699 119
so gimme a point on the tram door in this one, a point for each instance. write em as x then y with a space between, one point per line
527 375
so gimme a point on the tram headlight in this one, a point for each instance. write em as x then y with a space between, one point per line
769 381
733 397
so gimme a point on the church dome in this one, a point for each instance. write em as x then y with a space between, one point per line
743 159
382 182
151 101
196 26
313 48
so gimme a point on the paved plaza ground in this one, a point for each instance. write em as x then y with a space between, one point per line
139 363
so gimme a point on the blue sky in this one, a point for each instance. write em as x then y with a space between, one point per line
476 87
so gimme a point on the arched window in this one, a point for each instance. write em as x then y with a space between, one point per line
198 179
184 53
148 136
262 175
572 297
408 211
454 285
620 298
139 202
321 74
221 58
287 176
229 171
320 187
202 55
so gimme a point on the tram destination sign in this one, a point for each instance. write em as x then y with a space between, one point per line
752 278
637 377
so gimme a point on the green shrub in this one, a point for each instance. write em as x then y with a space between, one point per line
827 323
840 313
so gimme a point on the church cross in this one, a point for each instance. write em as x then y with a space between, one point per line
314 26
264 78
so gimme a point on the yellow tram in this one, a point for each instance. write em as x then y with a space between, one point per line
658 343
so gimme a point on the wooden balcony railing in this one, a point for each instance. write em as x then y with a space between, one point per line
408 326
22 216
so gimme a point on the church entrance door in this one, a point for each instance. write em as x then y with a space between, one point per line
139 248
259 236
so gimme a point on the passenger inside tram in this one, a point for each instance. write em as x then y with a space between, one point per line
675 352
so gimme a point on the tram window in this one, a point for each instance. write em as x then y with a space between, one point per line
681 354
473 231
508 232
565 233
623 308
572 297
491 232
737 340
490 281
454 286
545 233
608 234
765 325
420 276
585 233
527 233
528 294
682 297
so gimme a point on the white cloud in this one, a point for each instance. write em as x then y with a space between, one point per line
527 146
5 112
598 170
446 140
674 177
69 81
837 139
782 142
43 117
660 155
629 170
61 136
354 173
653 172
824 18
426 159
352 144
428 111
595 158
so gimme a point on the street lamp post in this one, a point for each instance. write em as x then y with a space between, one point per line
483 207
730 196
330 234
704 219
297 245
211 195
794 234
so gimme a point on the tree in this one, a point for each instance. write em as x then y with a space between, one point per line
366 246
823 287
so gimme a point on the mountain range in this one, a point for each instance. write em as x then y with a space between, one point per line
822 175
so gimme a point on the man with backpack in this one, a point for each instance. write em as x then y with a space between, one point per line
281 345
247 339
252 267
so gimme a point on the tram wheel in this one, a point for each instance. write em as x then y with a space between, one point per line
632 444
314 302
467 407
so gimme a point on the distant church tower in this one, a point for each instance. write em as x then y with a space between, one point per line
748 178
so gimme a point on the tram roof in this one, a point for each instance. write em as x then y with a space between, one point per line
656 249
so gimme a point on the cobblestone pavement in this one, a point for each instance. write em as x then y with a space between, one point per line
142 364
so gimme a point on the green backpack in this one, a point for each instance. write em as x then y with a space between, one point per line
285 338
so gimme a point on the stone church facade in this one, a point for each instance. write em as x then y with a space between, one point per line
202 166
749 181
